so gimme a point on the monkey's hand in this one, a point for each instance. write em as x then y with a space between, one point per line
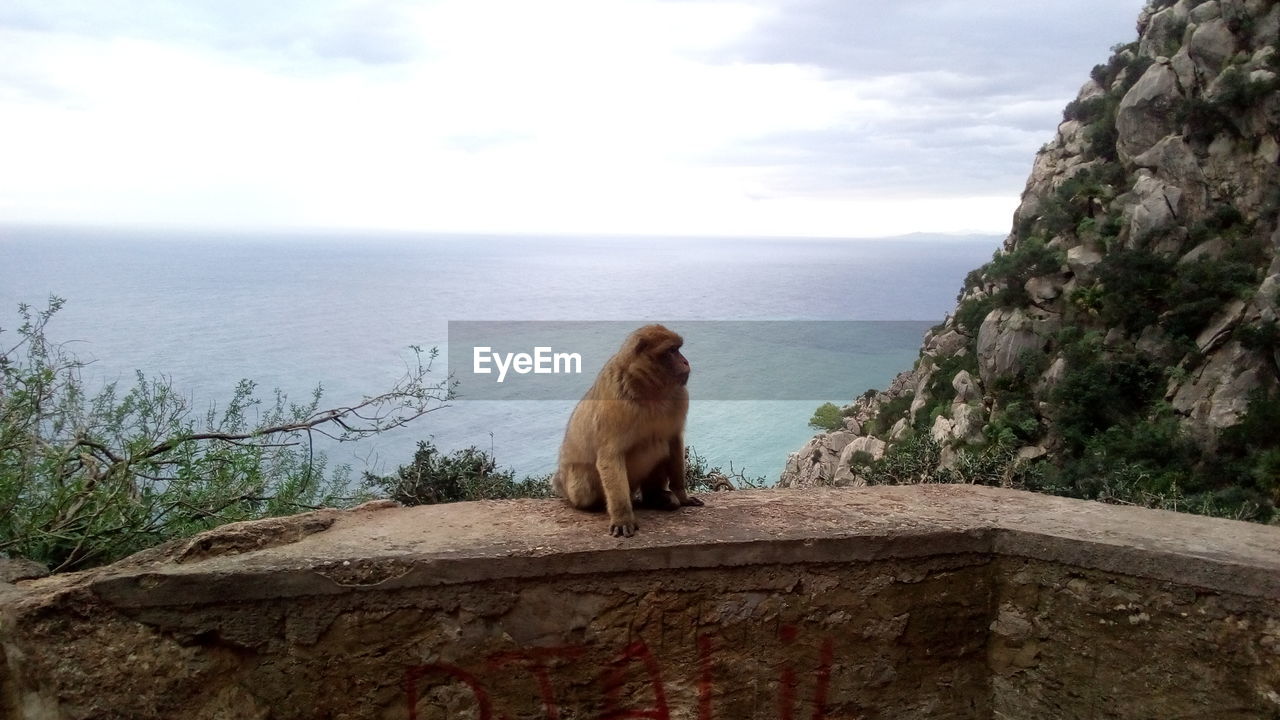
623 528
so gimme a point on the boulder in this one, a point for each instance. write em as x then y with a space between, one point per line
1081 260
1051 377
947 344
1211 248
1175 164
967 424
1220 326
1031 452
1003 338
874 447
1164 30
966 387
1148 112
1043 289
899 430
1155 211
941 430
1217 396
1212 45
1206 11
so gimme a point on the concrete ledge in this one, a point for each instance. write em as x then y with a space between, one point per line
395 548
921 601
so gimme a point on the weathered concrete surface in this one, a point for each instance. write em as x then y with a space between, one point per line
902 602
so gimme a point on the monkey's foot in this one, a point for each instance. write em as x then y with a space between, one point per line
664 500
625 528
692 501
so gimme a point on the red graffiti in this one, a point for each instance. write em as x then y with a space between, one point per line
788 683
825 659
636 657
612 681
705 679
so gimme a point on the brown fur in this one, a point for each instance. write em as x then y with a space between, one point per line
627 433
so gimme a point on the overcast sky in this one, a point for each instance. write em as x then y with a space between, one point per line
788 117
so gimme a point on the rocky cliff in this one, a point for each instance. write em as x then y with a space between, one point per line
1123 343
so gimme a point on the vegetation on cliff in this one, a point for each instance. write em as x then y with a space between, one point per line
1123 344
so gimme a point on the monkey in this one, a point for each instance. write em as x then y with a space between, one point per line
627 433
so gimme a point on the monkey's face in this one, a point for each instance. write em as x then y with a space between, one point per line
676 364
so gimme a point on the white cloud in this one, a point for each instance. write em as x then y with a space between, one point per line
490 115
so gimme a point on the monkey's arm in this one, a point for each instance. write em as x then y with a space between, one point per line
675 472
612 466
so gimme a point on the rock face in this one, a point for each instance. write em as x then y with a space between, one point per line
1137 289
930 601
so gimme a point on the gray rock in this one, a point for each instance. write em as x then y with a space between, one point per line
1051 377
1217 396
1081 260
1206 11
867 444
1268 150
1154 343
1155 210
816 462
947 344
967 424
844 474
1031 452
1176 165
1043 289
1185 68
1211 248
1212 45
1220 326
966 387
941 430
1002 339
852 425
1148 112
1164 30
899 430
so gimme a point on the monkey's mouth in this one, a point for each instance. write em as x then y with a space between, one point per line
683 378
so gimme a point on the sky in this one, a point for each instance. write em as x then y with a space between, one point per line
841 118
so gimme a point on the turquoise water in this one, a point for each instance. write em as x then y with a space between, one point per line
340 309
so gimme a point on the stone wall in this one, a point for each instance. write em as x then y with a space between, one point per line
887 602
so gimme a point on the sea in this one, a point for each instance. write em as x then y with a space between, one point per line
293 310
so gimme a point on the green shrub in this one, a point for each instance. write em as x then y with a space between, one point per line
1199 289
469 474
1152 463
1086 111
827 417
1071 202
910 462
1099 390
1133 283
86 479
893 411
940 389
1260 336
971 313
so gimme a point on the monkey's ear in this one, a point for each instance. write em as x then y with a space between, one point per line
642 343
